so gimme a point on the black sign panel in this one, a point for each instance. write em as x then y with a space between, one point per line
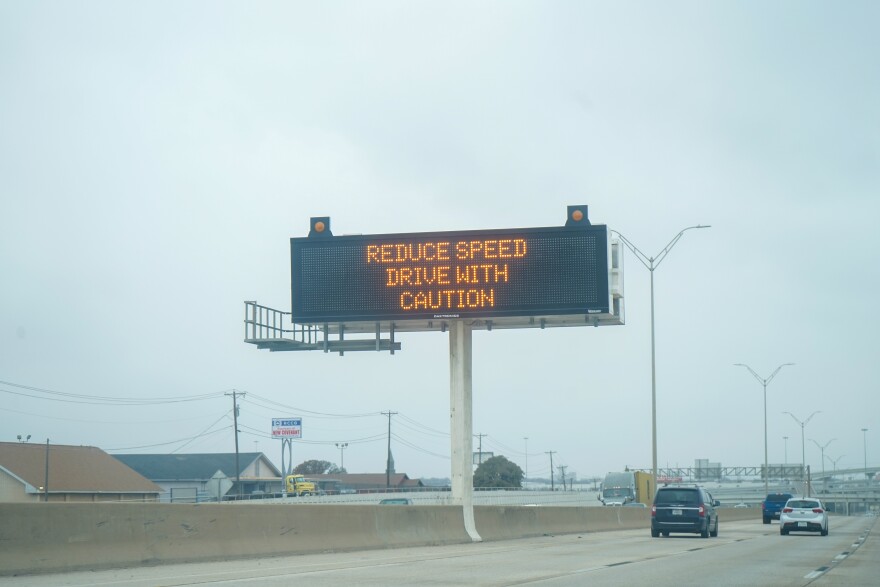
465 274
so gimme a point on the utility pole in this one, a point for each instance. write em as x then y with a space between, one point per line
389 413
235 394
480 447
526 477
46 485
550 452
562 469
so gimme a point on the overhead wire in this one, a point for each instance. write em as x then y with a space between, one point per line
202 433
165 443
432 430
257 400
128 422
490 440
272 403
416 447
421 431
100 400
263 434
340 436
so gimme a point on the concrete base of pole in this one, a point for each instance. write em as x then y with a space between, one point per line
461 421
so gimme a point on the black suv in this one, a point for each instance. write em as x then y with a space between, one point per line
688 509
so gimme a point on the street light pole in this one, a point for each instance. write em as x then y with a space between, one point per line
765 382
834 463
865 447
652 263
526 438
785 438
341 446
803 449
822 448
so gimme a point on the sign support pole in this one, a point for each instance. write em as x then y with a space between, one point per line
461 421
286 445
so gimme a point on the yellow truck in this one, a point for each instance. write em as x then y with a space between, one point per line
627 487
299 485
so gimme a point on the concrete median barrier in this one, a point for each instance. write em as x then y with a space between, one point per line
49 537
501 523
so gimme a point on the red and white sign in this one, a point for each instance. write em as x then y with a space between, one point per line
286 427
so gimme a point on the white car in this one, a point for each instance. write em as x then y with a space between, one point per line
803 514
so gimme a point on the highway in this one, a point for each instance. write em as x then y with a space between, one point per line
745 553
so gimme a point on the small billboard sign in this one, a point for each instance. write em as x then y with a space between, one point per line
482 457
286 427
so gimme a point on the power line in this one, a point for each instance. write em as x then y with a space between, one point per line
128 422
418 448
428 428
262 434
273 404
238 398
165 443
506 449
99 400
199 435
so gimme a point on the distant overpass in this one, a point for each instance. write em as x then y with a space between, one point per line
790 471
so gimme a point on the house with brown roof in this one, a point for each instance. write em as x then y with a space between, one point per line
202 477
207 476
57 472
366 482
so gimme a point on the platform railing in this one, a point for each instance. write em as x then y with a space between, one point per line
265 323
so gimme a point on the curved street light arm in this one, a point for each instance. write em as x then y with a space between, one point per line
652 263
804 423
778 369
821 447
635 250
758 377
662 254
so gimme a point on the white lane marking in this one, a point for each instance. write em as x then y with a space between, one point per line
840 557
813 575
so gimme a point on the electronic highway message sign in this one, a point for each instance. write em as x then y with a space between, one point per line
448 275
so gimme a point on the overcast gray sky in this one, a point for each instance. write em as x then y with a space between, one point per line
155 158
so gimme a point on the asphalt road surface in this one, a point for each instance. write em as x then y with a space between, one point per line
745 553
